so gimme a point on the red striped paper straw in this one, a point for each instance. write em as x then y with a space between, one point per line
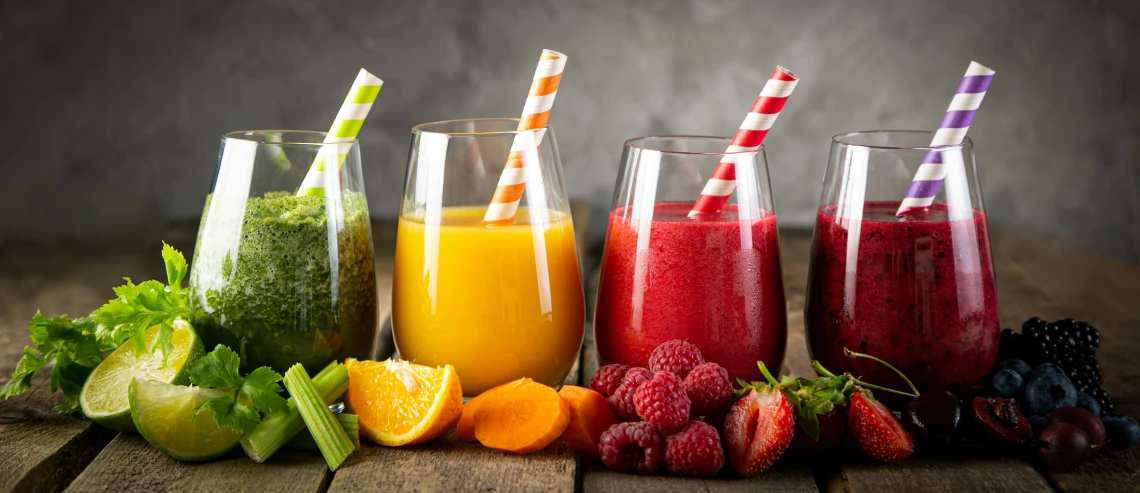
748 138
535 114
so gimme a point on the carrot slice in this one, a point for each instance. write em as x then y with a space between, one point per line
465 429
522 419
590 416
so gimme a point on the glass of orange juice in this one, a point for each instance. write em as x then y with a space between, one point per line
498 301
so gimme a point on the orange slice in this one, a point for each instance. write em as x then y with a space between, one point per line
400 403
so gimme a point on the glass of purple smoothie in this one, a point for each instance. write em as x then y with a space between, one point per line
916 290
713 280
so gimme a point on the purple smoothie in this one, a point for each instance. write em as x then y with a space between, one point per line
916 291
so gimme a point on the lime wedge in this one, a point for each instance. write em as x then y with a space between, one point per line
104 396
164 416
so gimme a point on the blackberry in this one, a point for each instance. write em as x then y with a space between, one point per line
1067 343
1105 401
1017 346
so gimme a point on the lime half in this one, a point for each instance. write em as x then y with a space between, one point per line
104 396
164 416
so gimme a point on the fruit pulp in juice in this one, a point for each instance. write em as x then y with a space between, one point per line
715 282
497 302
916 291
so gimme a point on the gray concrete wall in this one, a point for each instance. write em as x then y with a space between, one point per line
112 110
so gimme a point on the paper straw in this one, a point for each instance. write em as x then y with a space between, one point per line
748 138
535 114
950 132
276 153
344 129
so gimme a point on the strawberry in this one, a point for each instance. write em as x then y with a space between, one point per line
758 429
876 431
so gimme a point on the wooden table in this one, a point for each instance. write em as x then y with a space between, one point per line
43 451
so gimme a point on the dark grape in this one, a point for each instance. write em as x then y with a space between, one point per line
1064 447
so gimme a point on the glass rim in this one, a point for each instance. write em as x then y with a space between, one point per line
243 134
633 144
839 139
421 127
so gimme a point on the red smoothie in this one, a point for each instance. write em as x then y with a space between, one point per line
713 282
916 291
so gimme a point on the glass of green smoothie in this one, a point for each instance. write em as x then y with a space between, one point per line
284 277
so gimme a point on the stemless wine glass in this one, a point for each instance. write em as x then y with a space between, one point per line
915 290
714 280
281 278
496 301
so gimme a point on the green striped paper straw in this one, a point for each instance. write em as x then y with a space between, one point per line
280 160
344 129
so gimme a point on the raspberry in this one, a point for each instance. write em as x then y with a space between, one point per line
710 390
622 398
607 379
694 450
631 447
662 402
677 357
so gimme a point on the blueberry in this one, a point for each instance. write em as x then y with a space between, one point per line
1038 423
1122 431
1022 368
1007 383
1088 403
1045 368
1048 392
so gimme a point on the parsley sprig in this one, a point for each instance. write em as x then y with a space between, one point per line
219 369
72 348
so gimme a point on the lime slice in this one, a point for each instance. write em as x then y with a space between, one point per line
164 416
104 396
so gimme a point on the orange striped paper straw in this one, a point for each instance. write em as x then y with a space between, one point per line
535 114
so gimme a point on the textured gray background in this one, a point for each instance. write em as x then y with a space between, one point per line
112 110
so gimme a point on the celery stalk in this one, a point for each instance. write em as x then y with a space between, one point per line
304 440
330 437
277 429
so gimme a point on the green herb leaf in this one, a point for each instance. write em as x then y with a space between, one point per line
70 347
22 378
175 266
139 307
231 414
219 369
262 388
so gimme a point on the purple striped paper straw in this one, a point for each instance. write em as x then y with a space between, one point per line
950 132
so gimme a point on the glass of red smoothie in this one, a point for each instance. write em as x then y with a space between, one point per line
918 290
713 280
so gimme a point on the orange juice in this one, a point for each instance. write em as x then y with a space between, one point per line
497 302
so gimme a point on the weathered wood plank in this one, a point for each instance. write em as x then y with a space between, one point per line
973 473
128 463
43 450
446 464
598 479
784 476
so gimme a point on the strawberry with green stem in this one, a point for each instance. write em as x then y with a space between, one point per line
817 405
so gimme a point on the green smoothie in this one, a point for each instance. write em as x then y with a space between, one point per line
267 282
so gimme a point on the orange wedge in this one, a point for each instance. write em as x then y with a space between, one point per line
400 403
